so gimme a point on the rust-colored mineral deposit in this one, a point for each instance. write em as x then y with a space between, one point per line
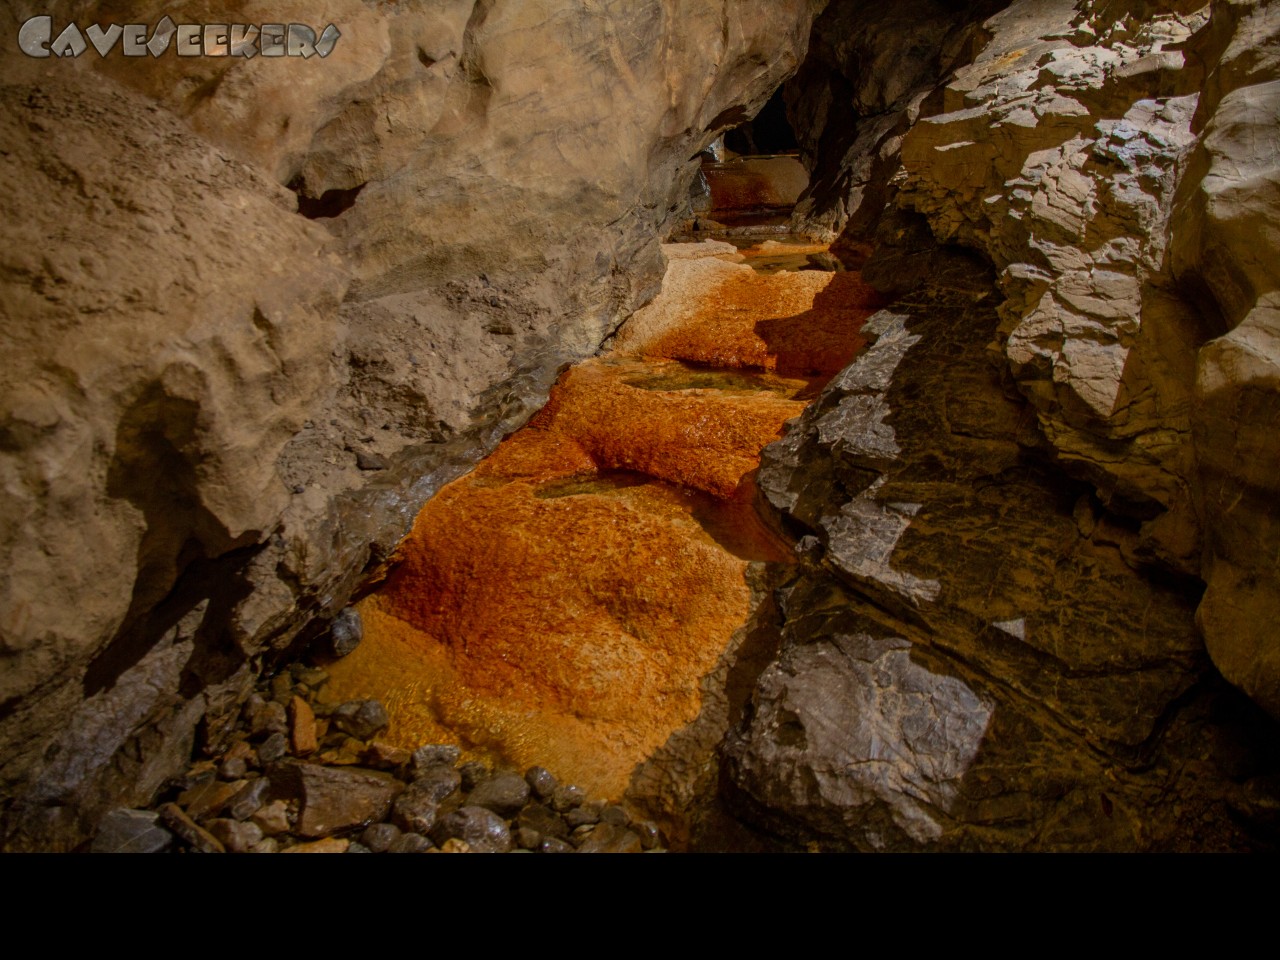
561 604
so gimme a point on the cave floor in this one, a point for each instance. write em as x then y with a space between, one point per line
565 603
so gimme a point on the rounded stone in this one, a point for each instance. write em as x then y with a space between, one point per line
360 718
414 811
482 830
540 781
379 837
472 773
410 843
503 793
346 633
566 796
437 782
435 754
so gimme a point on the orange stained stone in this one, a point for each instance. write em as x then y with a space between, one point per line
802 323
561 604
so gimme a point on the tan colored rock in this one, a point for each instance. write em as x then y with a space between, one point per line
273 818
302 728
181 386
327 845
386 756
1226 243
209 799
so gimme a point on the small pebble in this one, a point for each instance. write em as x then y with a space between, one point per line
540 781
647 831
273 818
383 756
482 830
503 793
360 718
566 796
607 838
199 839
282 689
131 831
434 754
415 811
249 799
237 837
615 815
587 813
379 837
346 632
233 768
358 848
472 773
543 820
438 782
209 799
410 843
269 718
273 748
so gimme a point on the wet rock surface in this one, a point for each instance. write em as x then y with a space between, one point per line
1110 160
990 639
975 660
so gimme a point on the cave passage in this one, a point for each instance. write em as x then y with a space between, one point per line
562 604
750 179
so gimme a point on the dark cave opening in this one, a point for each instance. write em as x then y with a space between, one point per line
752 177
768 133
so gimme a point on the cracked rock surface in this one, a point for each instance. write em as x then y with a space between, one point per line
974 662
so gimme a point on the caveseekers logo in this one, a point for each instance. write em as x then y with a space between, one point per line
36 39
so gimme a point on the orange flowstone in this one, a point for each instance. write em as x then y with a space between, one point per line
561 604
802 324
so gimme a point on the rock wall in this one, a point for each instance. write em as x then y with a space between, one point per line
1032 504
1111 160
223 401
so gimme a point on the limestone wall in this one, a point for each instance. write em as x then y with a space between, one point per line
216 411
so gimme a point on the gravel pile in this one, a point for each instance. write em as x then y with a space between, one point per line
301 776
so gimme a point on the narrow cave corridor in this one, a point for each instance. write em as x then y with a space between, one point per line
775 425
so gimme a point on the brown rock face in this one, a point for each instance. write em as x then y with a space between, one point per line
1114 162
201 383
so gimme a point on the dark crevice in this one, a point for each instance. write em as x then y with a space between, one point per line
769 133
154 469
331 203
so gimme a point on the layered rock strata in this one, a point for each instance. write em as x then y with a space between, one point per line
968 658
1109 159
